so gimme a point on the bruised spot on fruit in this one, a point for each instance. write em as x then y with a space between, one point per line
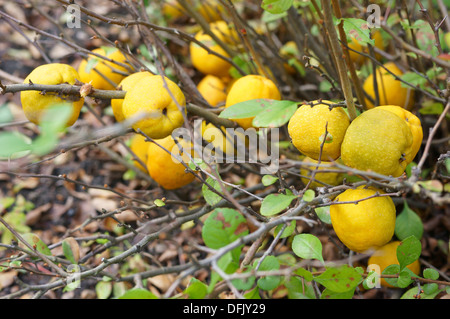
164 111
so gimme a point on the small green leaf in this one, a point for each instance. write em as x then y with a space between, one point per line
252 294
412 293
158 202
14 145
302 272
288 231
269 282
358 29
339 279
430 288
309 195
5 114
36 243
244 109
103 289
273 204
307 246
408 223
329 294
71 250
268 180
298 289
404 278
413 78
276 6
211 197
393 269
430 273
196 289
408 251
138 293
222 227
275 114
244 283
324 214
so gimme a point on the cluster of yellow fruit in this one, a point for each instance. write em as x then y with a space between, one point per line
383 139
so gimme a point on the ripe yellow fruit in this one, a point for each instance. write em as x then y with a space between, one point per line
324 175
251 87
205 62
95 70
308 125
153 94
225 31
164 167
386 256
378 141
414 125
361 47
125 85
366 224
213 90
139 146
222 142
34 104
172 10
390 91
210 10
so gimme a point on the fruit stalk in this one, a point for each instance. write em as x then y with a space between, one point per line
337 52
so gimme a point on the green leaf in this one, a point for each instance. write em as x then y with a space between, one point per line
329 294
276 114
272 204
244 283
297 289
266 112
138 293
404 278
309 195
288 231
339 279
430 273
50 128
431 108
269 282
302 272
196 289
252 294
71 250
14 145
5 114
158 202
36 242
408 223
358 29
307 246
393 269
244 109
276 6
268 180
103 289
411 293
414 79
222 227
408 251
211 197
324 214
430 288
